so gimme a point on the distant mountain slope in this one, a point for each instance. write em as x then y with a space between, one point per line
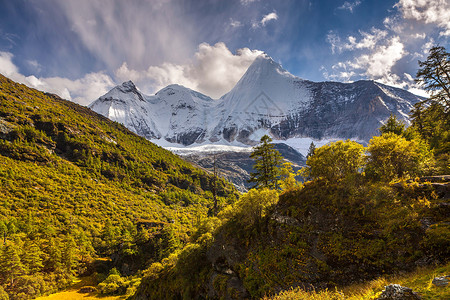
234 163
76 186
267 98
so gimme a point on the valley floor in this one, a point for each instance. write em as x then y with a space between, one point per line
73 292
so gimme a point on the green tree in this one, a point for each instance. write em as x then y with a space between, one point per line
32 257
3 231
53 261
392 156
393 125
311 150
69 253
10 264
168 242
3 294
109 236
337 161
434 76
267 160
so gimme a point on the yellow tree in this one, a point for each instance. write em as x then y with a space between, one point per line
287 177
253 205
392 156
337 161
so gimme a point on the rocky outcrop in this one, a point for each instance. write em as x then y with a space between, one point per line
398 292
441 281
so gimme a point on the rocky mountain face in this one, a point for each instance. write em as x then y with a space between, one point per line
267 99
236 166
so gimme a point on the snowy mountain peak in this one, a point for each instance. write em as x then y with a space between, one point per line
172 88
127 86
265 67
127 91
179 92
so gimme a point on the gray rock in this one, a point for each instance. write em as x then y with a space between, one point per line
87 289
441 281
398 292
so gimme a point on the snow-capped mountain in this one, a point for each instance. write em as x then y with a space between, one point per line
267 99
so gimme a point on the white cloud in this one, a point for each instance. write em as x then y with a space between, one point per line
213 71
7 67
269 17
377 64
82 91
427 11
349 5
380 62
389 54
266 18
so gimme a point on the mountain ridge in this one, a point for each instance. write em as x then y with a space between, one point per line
266 98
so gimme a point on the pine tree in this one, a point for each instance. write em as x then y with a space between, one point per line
10 264
32 258
267 160
3 231
69 254
393 125
434 75
312 148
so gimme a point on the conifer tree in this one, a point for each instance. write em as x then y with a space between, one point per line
10 264
434 75
392 125
267 160
3 231
32 258
311 150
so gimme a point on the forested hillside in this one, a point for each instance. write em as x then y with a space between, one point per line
361 213
76 187
352 221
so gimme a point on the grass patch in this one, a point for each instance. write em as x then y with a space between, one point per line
73 292
419 281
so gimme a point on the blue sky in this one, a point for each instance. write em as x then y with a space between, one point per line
79 49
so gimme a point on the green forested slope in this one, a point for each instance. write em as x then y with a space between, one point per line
365 212
75 186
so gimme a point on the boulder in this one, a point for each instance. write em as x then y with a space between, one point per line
441 281
398 292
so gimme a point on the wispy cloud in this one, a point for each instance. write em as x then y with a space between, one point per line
115 31
368 40
36 66
349 5
247 2
235 23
